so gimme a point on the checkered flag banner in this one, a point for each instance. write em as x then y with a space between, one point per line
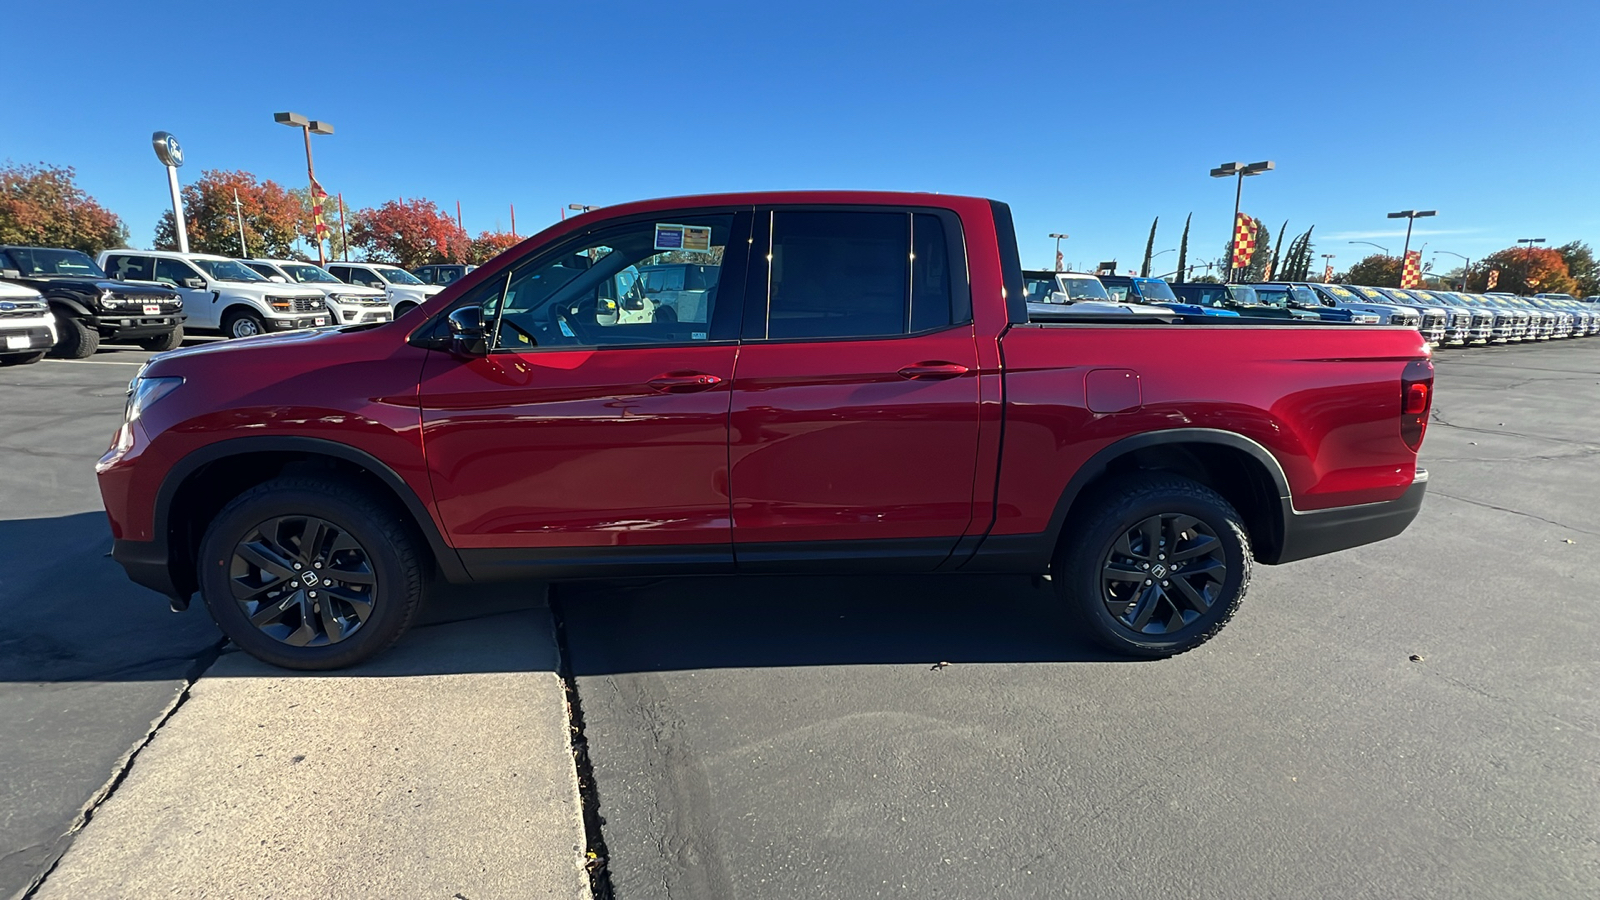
1244 240
1494 279
318 196
1411 273
1327 274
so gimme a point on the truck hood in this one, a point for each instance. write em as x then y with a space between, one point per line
126 288
10 291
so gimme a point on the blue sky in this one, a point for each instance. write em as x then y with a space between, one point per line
1088 118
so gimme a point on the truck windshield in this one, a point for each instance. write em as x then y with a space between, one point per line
43 262
308 274
227 270
1274 296
1243 294
395 275
1156 290
1088 289
1303 297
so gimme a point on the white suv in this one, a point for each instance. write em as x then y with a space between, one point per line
350 304
221 294
406 291
27 327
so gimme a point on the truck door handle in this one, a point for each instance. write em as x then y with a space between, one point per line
931 371
684 382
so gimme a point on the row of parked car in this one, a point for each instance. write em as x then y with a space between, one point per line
61 302
1443 317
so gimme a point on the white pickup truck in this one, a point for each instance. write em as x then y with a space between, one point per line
405 290
27 329
222 294
350 304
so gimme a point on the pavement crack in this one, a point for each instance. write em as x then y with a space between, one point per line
596 859
124 765
1515 512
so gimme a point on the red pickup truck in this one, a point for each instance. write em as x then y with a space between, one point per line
851 383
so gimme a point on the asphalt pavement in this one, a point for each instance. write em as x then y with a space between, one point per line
1417 718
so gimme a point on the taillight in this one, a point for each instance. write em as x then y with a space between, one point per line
1416 399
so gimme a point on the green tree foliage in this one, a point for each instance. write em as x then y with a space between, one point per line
1297 265
1581 266
1149 247
1524 270
42 205
1183 250
1376 270
1276 259
409 233
271 217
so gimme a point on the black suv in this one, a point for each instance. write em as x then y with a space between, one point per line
89 307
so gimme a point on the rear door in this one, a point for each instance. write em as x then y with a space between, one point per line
855 404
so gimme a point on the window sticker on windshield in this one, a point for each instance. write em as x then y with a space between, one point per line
694 238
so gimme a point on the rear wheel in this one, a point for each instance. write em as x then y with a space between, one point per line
243 324
74 339
308 573
1157 566
401 309
172 340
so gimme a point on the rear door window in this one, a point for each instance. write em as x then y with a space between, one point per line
129 268
858 274
174 272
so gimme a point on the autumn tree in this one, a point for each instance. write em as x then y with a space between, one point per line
1524 270
409 233
43 205
271 216
1149 247
489 244
1377 270
1582 267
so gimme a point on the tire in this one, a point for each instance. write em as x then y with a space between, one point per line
74 339
248 562
243 324
172 340
21 359
403 308
1101 558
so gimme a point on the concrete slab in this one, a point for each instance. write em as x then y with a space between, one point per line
442 769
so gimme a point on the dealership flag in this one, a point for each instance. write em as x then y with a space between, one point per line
1244 240
1327 273
318 195
1411 273
1494 279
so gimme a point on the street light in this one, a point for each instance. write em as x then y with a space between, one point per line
1464 270
1411 216
581 207
1371 244
1059 238
1238 170
1530 241
309 127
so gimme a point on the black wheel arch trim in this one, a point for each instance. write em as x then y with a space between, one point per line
446 557
70 303
1033 552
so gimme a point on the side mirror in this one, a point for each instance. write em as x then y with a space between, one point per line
195 283
279 279
633 303
10 273
467 336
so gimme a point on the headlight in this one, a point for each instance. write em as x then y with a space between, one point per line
142 394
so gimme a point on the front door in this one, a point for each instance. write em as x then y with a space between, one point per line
199 304
855 406
593 430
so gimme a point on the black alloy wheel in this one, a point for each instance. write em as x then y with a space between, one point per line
312 572
1152 565
303 581
1163 574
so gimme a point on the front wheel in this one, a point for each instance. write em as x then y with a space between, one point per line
1156 566
243 324
308 573
74 338
21 359
401 309
161 343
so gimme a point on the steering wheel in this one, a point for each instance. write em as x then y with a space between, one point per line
570 315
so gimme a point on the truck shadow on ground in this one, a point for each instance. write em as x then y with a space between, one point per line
767 621
68 613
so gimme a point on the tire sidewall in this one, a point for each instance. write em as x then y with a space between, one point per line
378 631
1087 559
236 320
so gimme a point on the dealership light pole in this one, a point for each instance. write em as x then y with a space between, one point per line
1371 244
308 127
1411 216
1327 264
1240 171
171 156
1464 270
1059 238
1530 242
